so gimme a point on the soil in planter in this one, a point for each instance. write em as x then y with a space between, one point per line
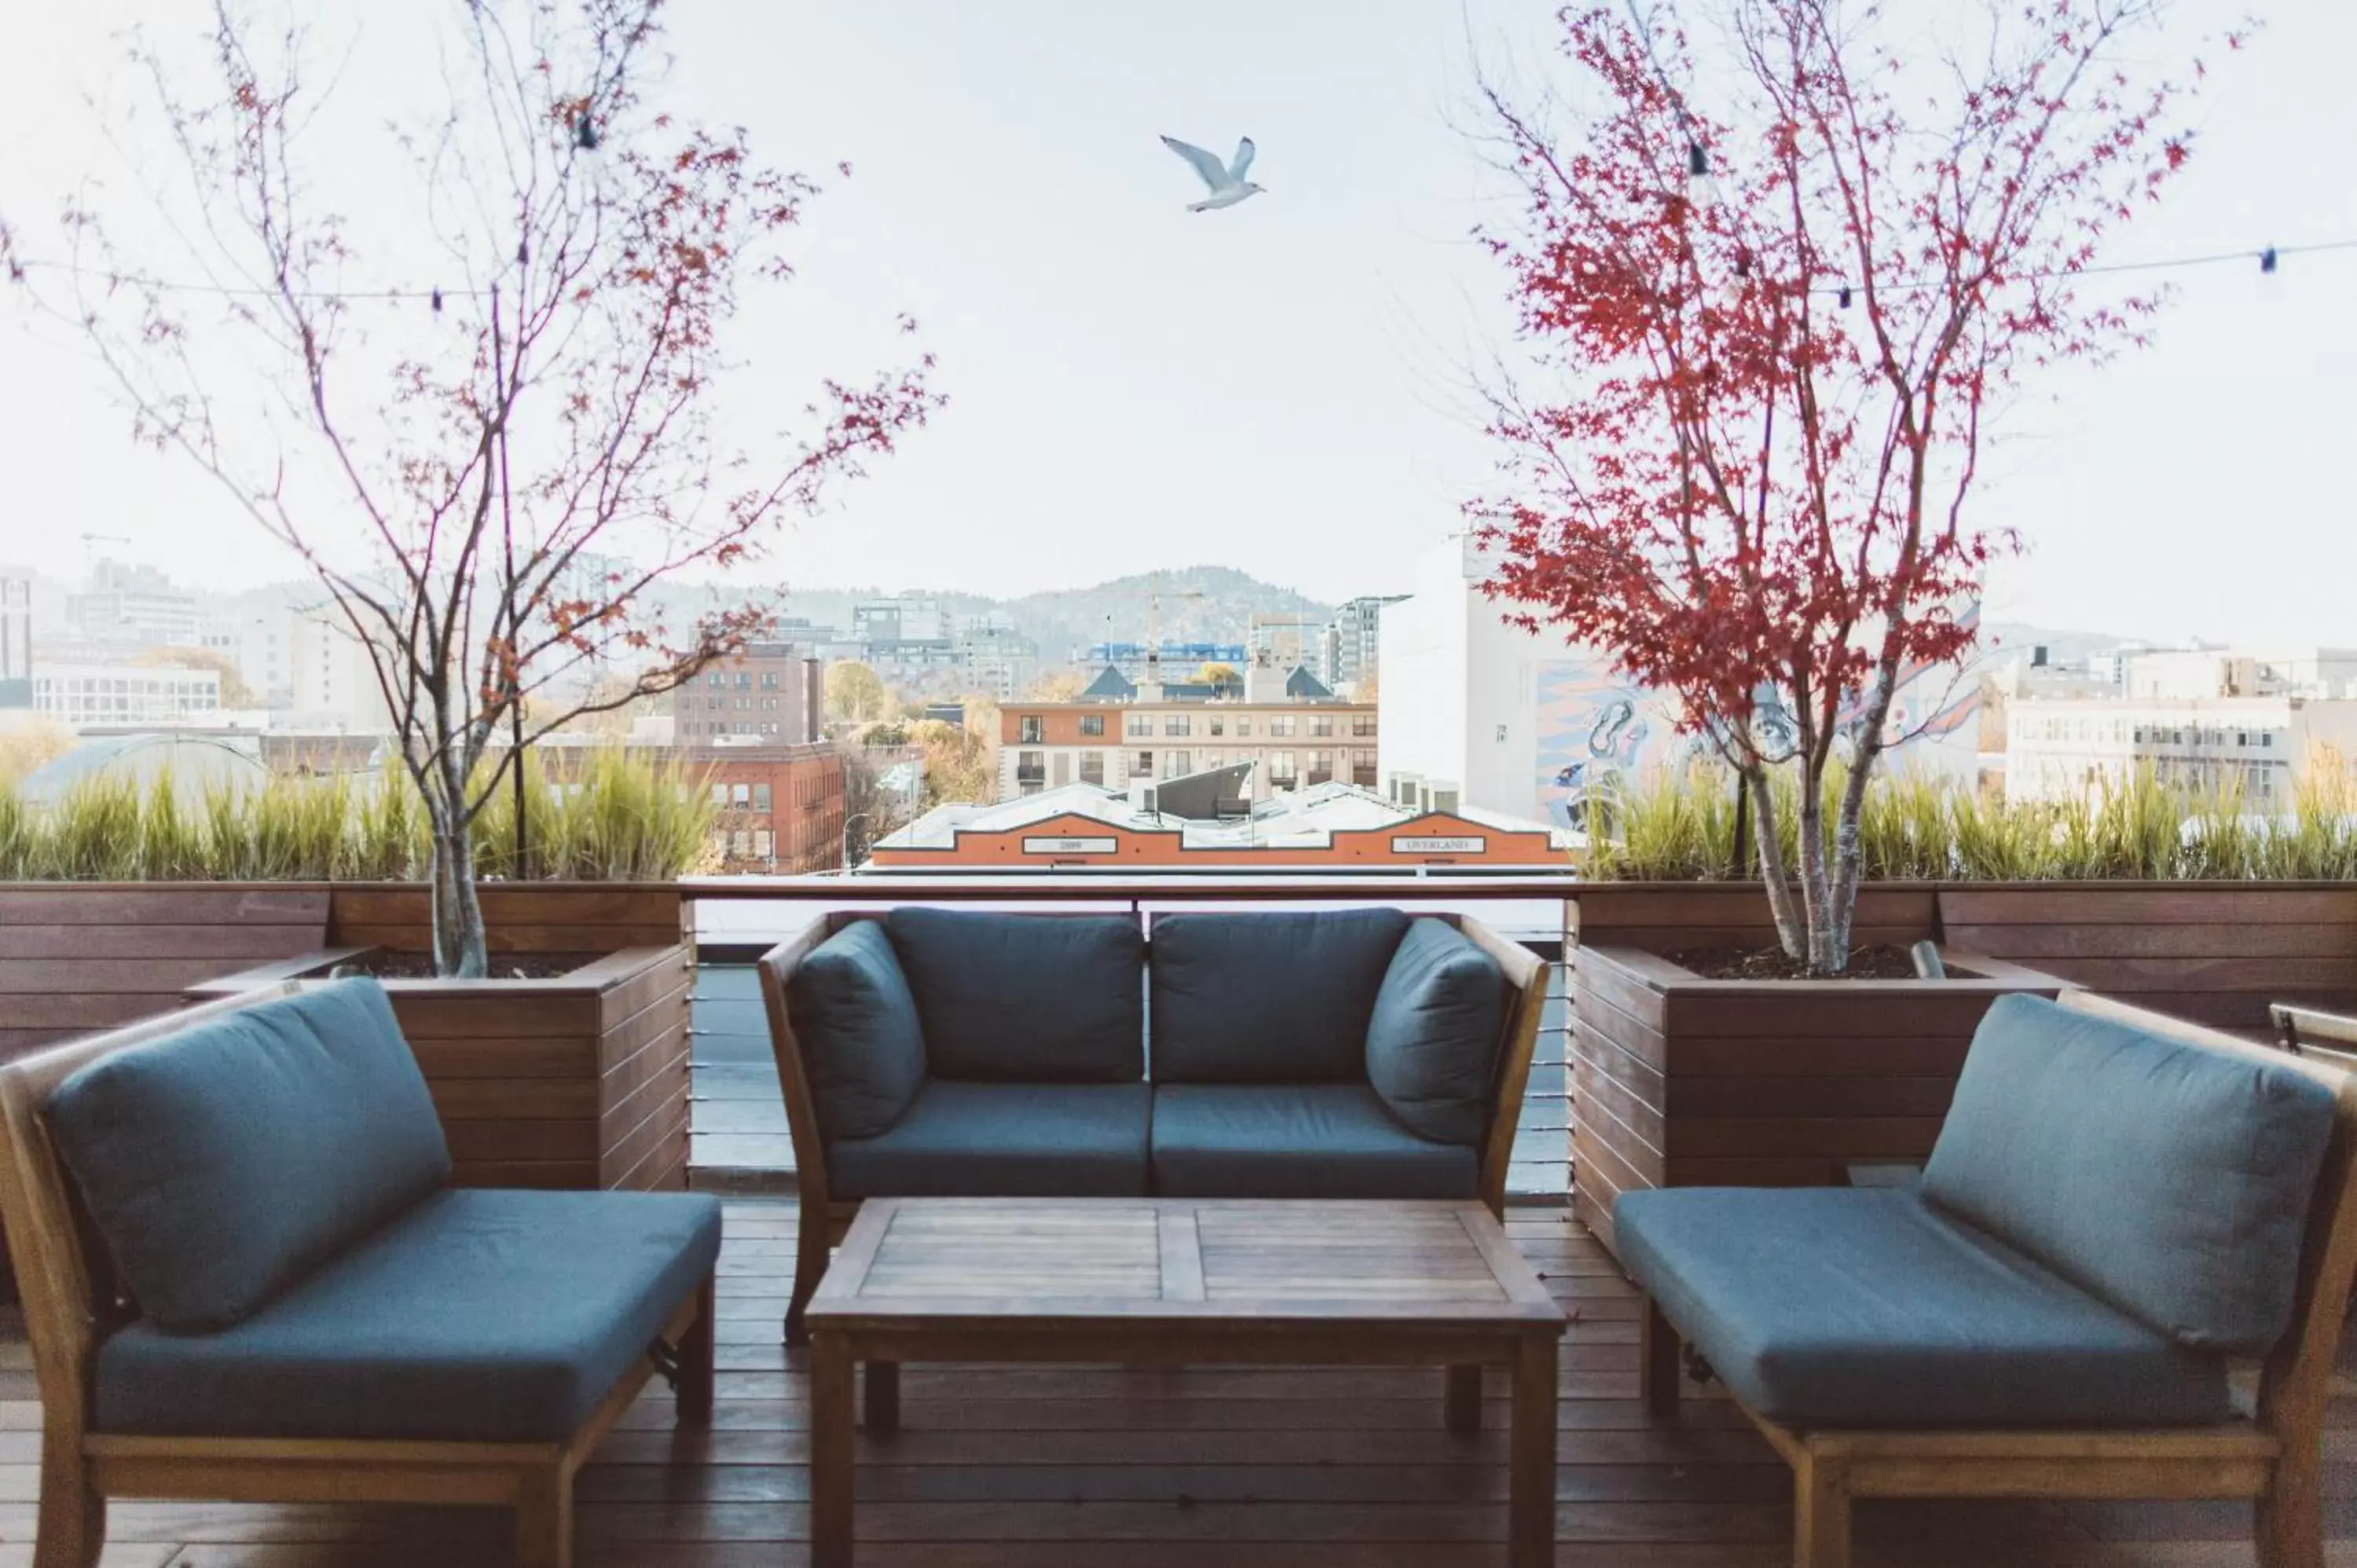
504 966
1774 963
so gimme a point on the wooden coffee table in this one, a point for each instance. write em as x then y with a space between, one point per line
1179 1281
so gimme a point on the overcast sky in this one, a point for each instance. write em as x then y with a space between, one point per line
1135 386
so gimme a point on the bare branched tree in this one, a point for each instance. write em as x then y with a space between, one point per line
491 503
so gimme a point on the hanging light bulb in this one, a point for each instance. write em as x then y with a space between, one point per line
2267 260
1843 297
1698 180
585 134
436 299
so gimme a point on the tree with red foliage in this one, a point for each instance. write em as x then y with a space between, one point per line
1768 320
491 486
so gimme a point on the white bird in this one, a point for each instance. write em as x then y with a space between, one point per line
1227 182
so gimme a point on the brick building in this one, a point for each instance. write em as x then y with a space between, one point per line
772 694
780 807
776 808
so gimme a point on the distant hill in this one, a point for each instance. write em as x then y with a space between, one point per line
1205 603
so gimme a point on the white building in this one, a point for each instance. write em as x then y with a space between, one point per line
15 625
1478 713
80 696
2063 747
133 605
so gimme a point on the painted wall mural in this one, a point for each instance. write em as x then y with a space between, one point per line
1597 729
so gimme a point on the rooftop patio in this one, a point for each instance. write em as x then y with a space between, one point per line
1041 1467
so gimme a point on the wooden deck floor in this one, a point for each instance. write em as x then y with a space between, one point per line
1039 1467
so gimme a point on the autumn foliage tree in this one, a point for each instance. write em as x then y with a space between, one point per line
1771 298
495 432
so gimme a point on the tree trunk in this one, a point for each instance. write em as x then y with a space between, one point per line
461 949
1792 930
1828 936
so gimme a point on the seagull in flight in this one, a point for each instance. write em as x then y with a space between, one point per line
1227 182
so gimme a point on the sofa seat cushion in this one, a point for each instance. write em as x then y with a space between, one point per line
225 1161
1867 1308
1026 998
1003 1140
2171 1180
856 1026
1432 1042
480 1315
1276 998
1309 1140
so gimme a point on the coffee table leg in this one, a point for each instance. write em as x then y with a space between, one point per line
1461 1400
883 1397
1530 1530
831 1450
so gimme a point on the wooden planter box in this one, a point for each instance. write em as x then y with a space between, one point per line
578 1081
1683 1081
2214 954
78 957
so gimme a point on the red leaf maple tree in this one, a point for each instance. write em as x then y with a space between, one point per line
1768 302
491 490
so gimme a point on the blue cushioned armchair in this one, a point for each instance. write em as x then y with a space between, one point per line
2122 1211
245 1278
1360 1053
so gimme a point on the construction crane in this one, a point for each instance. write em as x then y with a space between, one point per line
1153 670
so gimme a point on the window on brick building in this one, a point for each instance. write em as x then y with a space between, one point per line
1032 725
1093 724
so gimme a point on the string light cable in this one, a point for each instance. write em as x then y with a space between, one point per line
2269 258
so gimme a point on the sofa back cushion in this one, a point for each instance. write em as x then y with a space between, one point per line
1278 998
856 1023
224 1163
2168 1180
1026 998
1431 1043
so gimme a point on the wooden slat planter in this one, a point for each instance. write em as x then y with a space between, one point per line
522 916
579 1081
2211 954
76 957
1683 1081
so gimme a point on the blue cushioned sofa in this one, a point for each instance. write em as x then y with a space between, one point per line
2122 1211
1360 1053
245 1278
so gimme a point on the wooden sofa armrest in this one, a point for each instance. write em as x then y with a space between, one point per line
776 969
1526 973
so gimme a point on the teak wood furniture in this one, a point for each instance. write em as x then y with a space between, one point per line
70 1301
1182 1282
826 1218
2274 1458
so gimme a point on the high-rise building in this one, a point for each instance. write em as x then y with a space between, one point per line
136 605
772 693
995 659
1349 647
